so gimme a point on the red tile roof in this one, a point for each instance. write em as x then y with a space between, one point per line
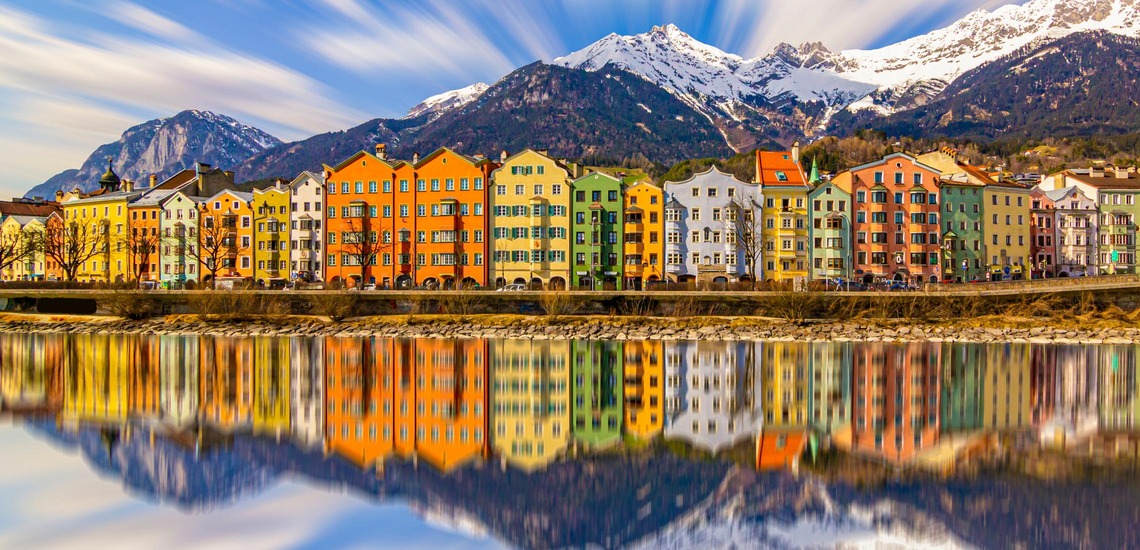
770 162
27 209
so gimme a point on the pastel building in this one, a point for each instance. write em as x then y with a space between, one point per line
226 236
1005 228
306 227
830 228
25 231
530 199
1042 234
896 222
962 188
786 229
1115 193
596 232
712 394
896 390
698 244
644 367
644 235
1076 221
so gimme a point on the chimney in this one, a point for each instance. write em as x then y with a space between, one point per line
543 152
202 168
229 176
128 185
278 185
153 180
796 152
382 151
415 158
503 156
1122 173
59 196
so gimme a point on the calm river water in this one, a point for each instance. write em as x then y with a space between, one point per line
187 441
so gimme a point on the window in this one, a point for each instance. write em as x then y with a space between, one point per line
780 176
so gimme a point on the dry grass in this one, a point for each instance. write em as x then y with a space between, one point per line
338 305
556 304
132 305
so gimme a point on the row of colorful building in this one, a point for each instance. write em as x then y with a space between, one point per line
528 403
448 220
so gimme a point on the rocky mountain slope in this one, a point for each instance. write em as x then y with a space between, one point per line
448 101
163 147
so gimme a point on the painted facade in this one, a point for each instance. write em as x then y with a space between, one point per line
596 392
226 236
786 228
271 232
1042 234
830 228
1076 226
697 245
896 389
597 253
178 246
306 231
896 224
530 202
644 237
25 231
644 382
1005 229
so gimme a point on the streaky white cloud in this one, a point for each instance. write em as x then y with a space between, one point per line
411 39
841 24
63 83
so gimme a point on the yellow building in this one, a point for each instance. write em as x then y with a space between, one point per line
530 216
530 401
271 388
102 215
24 231
271 232
1005 230
1007 387
644 388
784 382
644 238
785 231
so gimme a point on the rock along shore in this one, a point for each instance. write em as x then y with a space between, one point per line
574 328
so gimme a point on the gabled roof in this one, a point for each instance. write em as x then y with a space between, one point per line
389 163
593 174
771 164
556 162
154 197
1060 194
305 176
891 156
431 156
713 170
240 195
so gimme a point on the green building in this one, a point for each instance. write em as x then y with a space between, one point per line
596 231
962 241
597 392
963 380
829 206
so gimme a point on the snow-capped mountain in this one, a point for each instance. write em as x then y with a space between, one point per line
441 103
800 88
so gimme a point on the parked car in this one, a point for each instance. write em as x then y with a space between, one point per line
513 288
369 286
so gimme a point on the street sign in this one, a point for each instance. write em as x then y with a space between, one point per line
1005 271
965 265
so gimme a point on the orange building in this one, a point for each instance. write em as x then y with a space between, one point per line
407 224
644 388
413 399
896 409
141 240
644 235
896 226
226 236
780 449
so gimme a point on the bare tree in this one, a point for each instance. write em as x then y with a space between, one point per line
742 224
71 245
16 246
217 241
141 244
359 244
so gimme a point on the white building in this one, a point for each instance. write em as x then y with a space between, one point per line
307 227
712 393
700 245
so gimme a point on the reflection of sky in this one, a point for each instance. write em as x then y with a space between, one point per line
51 498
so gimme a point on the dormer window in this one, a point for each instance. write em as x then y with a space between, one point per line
780 176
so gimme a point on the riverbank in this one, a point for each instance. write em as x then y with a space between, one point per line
1089 329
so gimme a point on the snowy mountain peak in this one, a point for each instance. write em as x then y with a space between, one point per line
447 101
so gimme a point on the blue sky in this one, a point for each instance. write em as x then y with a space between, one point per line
75 73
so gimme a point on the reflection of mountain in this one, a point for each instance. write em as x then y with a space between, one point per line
606 501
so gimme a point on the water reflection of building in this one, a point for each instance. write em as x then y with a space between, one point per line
644 367
1006 390
712 395
896 390
785 377
226 386
1075 387
31 367
179 377
963 367
415 399
271 387
144 360
1119 404
596 385
530 400
96 379
829 396
307 391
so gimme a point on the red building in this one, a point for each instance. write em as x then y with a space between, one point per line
896 390
1042 233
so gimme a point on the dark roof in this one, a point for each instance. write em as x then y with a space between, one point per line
27 209
1105 182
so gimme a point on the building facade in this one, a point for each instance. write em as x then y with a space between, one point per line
698 247
597 251
1005 229
306 228
271 233
530 201
644 235
830 228
896 222
786 226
